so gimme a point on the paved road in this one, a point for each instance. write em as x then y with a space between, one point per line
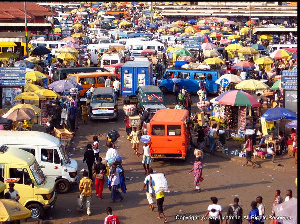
223 178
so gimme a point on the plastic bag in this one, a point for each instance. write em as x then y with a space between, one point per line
160 182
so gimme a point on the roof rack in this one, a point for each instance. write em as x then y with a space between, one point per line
3 148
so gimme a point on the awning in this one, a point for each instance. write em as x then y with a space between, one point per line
7 44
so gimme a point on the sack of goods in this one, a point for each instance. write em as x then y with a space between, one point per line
113 135
129 109
203 104
116 159
160 182
145 138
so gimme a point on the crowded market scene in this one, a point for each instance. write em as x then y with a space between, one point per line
148 112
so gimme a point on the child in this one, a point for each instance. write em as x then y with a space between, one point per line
128 128
146 156
270 150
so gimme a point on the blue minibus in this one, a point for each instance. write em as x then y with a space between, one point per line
190 78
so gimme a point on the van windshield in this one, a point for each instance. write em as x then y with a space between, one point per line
102 98
152 98
37 173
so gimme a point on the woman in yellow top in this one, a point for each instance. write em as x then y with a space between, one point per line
160 197
134 136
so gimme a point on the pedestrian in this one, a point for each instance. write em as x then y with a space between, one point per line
289 195
64 116
99 171
146 157
181 97
261 209
114 181
200 137
197 173
128 128
249 151
116 86
277 200
72 113
212 136
176 91
110 218
134 136
89 158
160 198
13 194
107 82
235 212
96 147
148 182
214 212
179 105
111 151
85 192
253 216
188 102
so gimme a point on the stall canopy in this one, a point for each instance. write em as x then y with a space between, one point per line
237 98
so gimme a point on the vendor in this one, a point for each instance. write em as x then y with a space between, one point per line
293 134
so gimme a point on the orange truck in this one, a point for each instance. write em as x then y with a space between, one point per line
170 135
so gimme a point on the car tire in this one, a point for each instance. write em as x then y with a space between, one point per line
37 211
62 186
163 89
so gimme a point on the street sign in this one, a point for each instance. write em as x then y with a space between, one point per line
224 82
12 76
289 82
12 82
12 70
289 73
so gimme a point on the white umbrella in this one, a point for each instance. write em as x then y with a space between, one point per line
287 209
230 77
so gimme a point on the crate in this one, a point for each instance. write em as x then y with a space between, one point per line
134 121
63 133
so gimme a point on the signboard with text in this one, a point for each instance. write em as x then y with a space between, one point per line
289 80
12 76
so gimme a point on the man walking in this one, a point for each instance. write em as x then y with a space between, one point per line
148 182
89 158
85 192
110 218
235 212
72 113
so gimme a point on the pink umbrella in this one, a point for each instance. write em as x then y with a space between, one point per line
225 41
230 23
208 46
73 45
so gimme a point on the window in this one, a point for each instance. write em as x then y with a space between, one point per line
106 62
21 174
137 47
73 78
50 155
53 45
158 130
114 62
151 47
174 130
160 48
101 79
88 80
41 45
184 75
199 76
32 151
209 76
104 98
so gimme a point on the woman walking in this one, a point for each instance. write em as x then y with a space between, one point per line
99 174
114 177
134 135
96 147
197 173
249 151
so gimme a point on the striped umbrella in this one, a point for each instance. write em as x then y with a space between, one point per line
251 84
280 54
237 98
244 65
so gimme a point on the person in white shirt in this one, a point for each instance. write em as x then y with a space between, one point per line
111 152
64 115
13 194
214 211
107 82
146 157
289 195
96 147
243 75
116 86
261 208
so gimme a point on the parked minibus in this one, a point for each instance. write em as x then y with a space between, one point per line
190 79
86 80
170 135
62 73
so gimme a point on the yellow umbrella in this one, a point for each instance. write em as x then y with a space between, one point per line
266 37
35 76
205 31
213 61
251 84
28 87
48 93
30 96
190 30
244 30
67 50
264 61
7 55
233 47
66 56
174 29
57 30
247 50
231 37
32 59
78 35
11 210
25 105
77 26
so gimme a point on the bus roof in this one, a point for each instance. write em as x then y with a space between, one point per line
16 156
169 116
150 88
87 74
27 138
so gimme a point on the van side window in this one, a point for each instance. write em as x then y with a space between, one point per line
56 157
209 76
17 173
88 80
158 130
32 151
2 172
198 75
47 155
100 79
174 130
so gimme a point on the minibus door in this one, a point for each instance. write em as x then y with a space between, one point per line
51 162
175 139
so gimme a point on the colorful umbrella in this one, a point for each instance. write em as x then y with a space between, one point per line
190 30
230 23
73 45
35 76
258 47
208 46
29 96
40 50
70 39
29 87
247 50
215 35
21 114
280 54
266 37
11 210
233 47
78 35
66 56
244 30
230 77
24 64
264 61
213 61
250 22
64 85
67 50
237 98
182 52
278 113
276 85
48 93
225 41
25 105
251 84
292 50
234 36
244 65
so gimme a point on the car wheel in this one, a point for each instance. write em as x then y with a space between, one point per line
163 89
37 212
62 186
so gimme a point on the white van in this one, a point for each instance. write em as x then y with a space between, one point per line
49 153
155 45
95 49
51 45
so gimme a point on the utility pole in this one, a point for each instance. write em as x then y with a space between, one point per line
250 20
52 22
26 31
